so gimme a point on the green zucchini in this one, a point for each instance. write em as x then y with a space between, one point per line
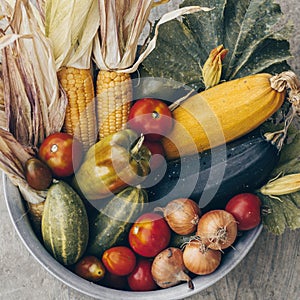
112 224
65 225
212 177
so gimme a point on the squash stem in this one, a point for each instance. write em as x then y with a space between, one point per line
138 145
177 103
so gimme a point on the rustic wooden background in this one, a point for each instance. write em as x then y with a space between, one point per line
271 270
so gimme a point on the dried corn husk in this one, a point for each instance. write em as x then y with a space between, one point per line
121 25
35 212
34 103
71 26
3 119
12 159
41 8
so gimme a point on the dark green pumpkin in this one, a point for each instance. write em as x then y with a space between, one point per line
65 226
112 224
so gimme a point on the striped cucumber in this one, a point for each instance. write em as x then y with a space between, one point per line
112 224
65 226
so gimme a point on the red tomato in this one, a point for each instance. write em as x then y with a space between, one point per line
245 208
119 260
114 281
157 154
149 235
140 279
152 117
90 268
62 153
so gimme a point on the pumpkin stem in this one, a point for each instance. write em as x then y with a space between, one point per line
278 137
287 80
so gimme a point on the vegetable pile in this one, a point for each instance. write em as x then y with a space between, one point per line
144 185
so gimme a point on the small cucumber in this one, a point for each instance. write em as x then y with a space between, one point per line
65 225
112 224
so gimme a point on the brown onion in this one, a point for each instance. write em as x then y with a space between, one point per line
182 215
168 268
199 259
217 229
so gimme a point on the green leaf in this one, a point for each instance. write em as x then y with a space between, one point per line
207 27
257 39
290 156
248 24
178 59
282 214
286 211
249 29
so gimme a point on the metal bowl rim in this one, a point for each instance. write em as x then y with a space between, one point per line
22 225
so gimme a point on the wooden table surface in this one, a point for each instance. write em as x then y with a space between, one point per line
270 271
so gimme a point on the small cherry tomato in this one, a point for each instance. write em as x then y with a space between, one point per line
90 268
157 154
245 208
140 279
38 175
62 153
152 117
149 235
119 260
115 282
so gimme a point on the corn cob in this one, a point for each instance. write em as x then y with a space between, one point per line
114 96
80 118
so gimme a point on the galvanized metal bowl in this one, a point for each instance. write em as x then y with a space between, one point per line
22 225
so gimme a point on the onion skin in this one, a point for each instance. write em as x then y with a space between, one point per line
168 268
199 259
217 229
182 215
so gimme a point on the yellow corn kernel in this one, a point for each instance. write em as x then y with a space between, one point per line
282 185
114 96
80 119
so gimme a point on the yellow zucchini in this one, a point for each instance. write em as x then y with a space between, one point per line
221 114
